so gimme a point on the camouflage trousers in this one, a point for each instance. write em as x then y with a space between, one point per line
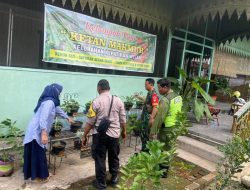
164 137
145 131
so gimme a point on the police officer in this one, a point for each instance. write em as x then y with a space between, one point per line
169 105
148 112
108 142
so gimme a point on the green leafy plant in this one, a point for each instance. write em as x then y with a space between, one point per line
139 104
143 170
57 125
133 124
222 84
188 88
139 99
129 99
181 127
235 153
70 105
56 128
78 140
128 102
11 136
80 134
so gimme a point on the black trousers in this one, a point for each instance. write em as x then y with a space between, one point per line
101 145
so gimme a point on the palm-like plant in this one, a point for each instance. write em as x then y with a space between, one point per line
189 88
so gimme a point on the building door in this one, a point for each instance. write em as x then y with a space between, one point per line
192 52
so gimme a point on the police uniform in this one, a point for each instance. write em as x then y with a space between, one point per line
151 101
108 142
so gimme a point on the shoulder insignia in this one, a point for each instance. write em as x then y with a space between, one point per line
91 113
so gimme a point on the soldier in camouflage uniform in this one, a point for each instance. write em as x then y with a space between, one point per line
148 112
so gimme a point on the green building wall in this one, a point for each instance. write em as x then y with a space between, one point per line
21 88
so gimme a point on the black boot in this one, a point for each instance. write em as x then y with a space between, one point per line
99 186
165 173
114 181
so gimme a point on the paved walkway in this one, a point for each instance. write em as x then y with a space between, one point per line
72 169
221 134
211 131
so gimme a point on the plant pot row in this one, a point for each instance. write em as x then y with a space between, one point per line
74 127
129 105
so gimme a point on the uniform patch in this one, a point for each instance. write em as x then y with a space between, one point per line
177 100
91 113
154 99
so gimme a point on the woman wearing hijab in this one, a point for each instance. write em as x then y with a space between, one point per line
36 136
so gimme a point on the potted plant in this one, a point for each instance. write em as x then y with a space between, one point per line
128 102
222 85
87 106
78 140
70 106
139 100
194 97
134 124
11 140
77 125
139 104
56 128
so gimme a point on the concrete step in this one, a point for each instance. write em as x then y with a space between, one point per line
203 150
199 161
204 139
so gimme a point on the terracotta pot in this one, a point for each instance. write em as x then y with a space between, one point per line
6 168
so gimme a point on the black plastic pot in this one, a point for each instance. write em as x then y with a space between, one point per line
73 112
128 106
77 144
58 147
74 127
136 132
54 133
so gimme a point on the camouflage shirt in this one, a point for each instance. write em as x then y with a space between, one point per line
151 101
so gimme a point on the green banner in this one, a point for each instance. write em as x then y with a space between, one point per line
76 39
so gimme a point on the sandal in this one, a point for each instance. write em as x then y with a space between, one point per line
41 180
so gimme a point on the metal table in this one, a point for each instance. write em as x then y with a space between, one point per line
66 135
